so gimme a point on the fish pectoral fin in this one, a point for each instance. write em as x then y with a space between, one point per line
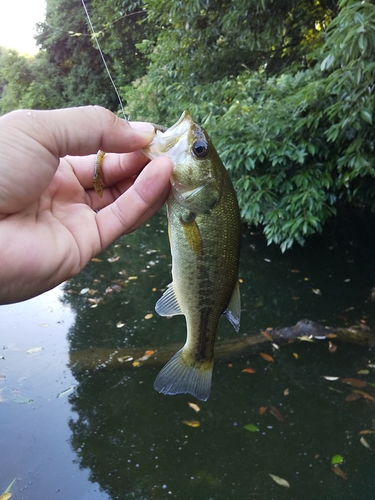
168 304
181 377
233 311
193 235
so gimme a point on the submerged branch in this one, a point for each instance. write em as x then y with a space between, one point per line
227 350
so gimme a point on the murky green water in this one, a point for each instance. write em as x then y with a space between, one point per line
114 437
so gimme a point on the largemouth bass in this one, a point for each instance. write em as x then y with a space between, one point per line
204 234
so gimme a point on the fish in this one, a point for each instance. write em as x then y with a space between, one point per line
204 228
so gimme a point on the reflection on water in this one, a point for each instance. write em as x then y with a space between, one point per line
132 441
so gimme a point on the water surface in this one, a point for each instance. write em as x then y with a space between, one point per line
83 433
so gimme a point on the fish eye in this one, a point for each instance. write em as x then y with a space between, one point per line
200 148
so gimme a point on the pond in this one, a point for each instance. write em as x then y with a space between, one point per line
71 428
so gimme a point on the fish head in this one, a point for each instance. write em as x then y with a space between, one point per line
196 178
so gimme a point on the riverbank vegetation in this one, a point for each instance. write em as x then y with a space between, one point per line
285 89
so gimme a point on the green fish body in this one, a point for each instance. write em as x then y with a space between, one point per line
204 232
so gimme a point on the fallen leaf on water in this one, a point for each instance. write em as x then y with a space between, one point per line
266 357
136 363
364 442
366 431
366 395
149 316
353 396
266 335
34 349
286 392
276 413
295 271
120 324
363 372
251 428
124 359
262 410
331 336
332 347
66 392
354 382
7 493
280 481
331 379
131 278
192 423
113 259
248 370
95 259
306 338
339 472
194 407
337 459
295 355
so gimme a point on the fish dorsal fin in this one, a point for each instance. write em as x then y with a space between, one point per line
233 311
193 235
168 304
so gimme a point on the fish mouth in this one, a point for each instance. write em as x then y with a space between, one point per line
173 142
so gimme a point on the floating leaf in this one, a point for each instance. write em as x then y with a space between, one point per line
331 335
339 472
136 363
149 316
194 407
286 392
365 431
34 349
366 395
95 259
295 355
131 278
276 413
337 459
363 372
262 410
353 396
331 379
251 428
354 382
266 357
113 259
306 338
191 423
66 392
280 481
266 335
120 324
332 347
248 370
364 442
124 359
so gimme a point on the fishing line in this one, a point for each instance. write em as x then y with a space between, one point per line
95 36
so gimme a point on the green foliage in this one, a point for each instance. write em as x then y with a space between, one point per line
285 89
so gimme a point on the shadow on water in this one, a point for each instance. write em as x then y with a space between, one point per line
134 441
114 437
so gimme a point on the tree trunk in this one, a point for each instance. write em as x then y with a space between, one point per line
227 350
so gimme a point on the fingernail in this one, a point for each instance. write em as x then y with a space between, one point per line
142 127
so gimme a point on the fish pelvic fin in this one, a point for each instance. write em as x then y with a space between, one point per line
182 377
233 311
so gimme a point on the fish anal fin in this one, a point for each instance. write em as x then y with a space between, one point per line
168 304
181 377
233 311
193 235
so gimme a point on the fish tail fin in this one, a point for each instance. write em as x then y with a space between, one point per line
181 377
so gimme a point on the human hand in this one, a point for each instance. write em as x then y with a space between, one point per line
49 227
